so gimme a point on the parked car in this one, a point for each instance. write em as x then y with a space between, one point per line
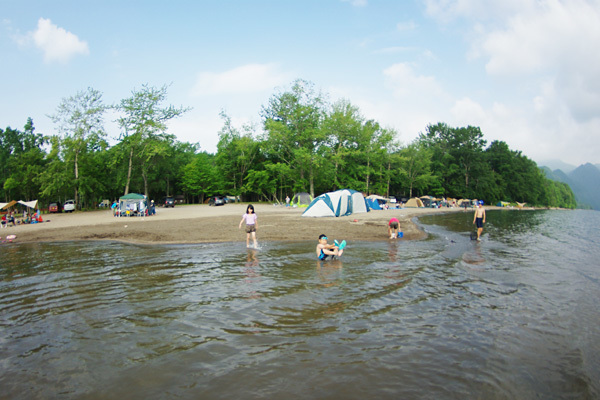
69 206
169 202
216 201
55 207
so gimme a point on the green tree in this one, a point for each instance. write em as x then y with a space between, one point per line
143 122
236 153
292 122
22 159
56 178
343 125
198 178
80 119
416 167
458 155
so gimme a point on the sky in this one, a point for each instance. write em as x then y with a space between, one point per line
526 72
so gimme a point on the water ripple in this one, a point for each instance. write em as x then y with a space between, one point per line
511 317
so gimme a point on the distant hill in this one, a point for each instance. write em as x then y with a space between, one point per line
557 164
583 180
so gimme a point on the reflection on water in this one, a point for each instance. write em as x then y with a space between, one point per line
514 316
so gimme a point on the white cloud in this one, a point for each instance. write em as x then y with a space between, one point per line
554 41
56 43
554 33
448 10
251 78
541 55
468 112
405 82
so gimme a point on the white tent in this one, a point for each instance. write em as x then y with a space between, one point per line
337 204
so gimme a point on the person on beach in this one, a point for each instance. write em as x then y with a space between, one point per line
393 228
287 201
114 207
325 250
479 220
251 225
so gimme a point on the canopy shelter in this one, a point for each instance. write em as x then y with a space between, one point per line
5 206
132 204
427 200
29 204
337 204
465 202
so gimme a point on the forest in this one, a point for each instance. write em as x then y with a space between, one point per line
304 143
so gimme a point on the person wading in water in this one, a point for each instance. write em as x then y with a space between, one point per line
479 220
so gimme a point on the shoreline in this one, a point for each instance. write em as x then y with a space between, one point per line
193 224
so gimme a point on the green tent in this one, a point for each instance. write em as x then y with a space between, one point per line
132 204
133 196
301 199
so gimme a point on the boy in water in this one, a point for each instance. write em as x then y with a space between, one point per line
325 250
479 219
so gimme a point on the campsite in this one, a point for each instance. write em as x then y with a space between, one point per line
20 212
200 223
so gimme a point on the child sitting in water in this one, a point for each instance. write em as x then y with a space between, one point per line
325 250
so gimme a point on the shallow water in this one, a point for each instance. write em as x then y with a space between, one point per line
514 316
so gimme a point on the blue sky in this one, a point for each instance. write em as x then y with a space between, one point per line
526 71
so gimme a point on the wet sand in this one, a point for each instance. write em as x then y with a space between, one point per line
206 224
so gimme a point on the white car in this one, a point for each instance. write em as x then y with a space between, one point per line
69 206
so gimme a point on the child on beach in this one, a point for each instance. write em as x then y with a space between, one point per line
325 250
251 225
393 228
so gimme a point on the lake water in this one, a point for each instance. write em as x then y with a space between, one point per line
513 317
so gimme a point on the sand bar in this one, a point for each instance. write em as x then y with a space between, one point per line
206 224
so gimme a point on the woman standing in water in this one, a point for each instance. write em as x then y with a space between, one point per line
251 225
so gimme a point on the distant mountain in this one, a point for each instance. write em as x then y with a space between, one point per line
556 175
583 180
557 164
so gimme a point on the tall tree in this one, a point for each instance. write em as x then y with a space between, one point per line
199 177
144 125
22 159
456 153
80 119
343 125
292 121
236 153
416 167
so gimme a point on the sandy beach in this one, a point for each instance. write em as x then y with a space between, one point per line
206 224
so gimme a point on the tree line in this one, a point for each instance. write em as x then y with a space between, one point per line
304 143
